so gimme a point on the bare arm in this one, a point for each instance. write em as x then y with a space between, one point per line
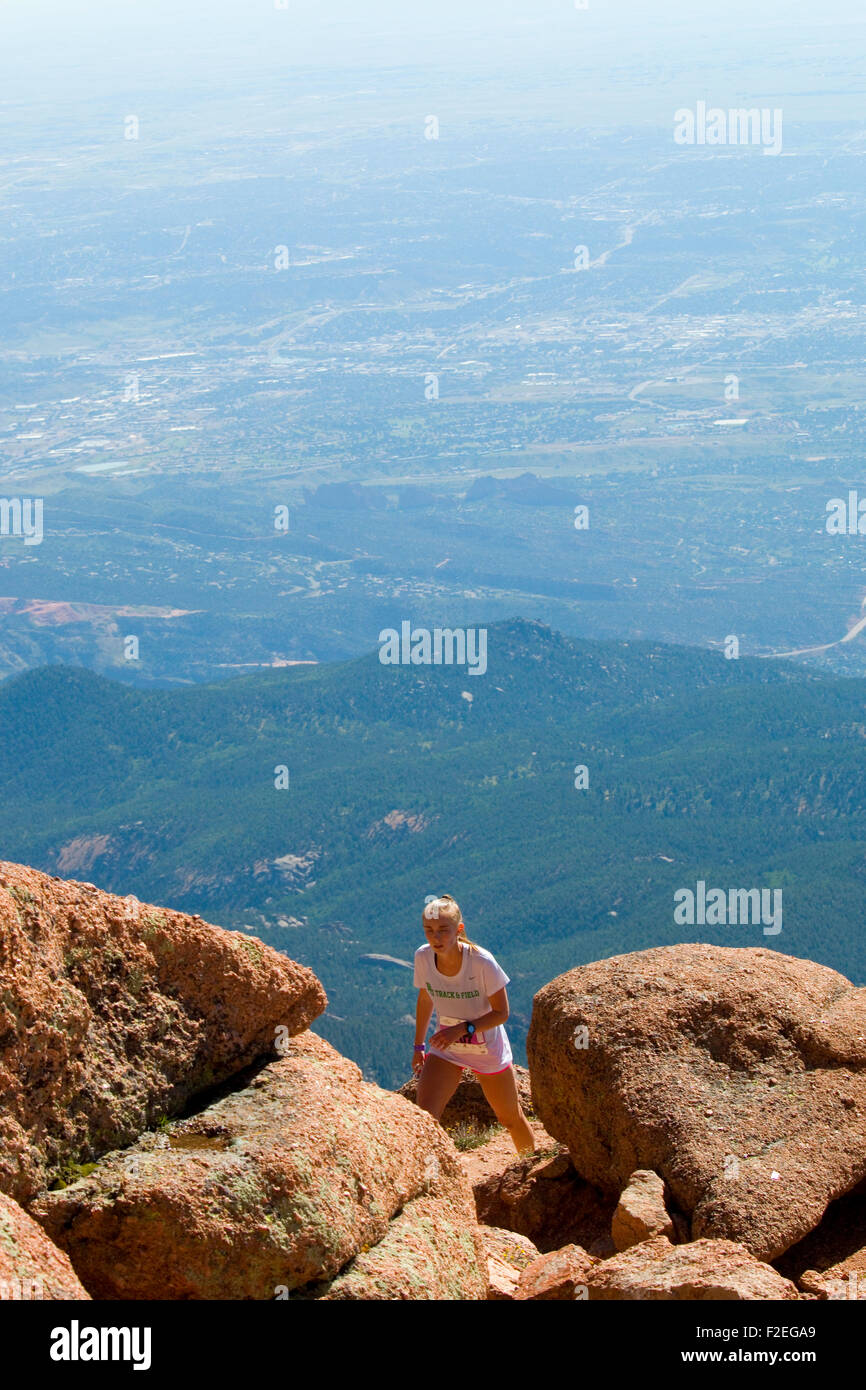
423 1015
498 1013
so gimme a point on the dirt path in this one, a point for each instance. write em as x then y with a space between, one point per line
496 1155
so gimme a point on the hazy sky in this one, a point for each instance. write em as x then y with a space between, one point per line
406 31
51 49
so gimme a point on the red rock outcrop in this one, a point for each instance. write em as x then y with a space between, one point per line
113 1014
309 1182
559 1276
739 1075
31 1266
831 1261
727 1084
640 1212
507 1255
542 1197
501 1280
840 1283
429 1252
702 1269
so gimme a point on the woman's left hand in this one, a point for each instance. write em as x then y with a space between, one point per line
446 1036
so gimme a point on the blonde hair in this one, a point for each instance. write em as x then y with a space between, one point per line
446 906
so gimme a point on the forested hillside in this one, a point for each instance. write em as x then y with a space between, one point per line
744 774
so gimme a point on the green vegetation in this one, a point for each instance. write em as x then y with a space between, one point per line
70 1173
21 895
471 1136
741 773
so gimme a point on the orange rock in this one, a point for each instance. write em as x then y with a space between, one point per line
738 1075
113 1014
540 1197
429 1252
502 1280
31 1266
307 1183
840 1283
509 1247
831 1262
641 1212
703 1269
558 1275
507 1254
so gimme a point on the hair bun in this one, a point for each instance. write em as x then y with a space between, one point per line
443 906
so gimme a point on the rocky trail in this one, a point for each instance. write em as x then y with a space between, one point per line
171 1127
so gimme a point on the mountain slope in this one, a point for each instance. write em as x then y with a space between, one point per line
742 773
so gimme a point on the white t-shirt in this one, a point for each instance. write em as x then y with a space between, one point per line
466 995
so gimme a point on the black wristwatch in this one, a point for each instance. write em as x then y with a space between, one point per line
470 1029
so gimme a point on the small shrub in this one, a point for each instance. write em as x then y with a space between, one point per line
70 1173
466 1135
21 895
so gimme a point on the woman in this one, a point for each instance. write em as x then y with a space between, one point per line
466 986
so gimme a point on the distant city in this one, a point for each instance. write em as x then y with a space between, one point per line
278 382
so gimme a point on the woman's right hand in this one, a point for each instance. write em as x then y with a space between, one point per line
417 1061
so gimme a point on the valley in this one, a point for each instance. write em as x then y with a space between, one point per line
744 774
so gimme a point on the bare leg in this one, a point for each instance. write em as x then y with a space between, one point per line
501 1092
438 1082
